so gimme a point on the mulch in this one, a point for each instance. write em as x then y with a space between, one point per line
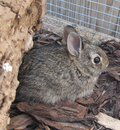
79 115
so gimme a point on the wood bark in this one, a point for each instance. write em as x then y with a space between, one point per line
108 122
17 20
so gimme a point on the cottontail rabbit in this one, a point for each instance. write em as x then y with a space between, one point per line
56 72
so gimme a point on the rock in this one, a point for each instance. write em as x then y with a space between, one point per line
17 18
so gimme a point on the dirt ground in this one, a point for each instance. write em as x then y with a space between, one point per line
79 115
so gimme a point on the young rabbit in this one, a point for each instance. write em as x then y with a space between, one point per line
54 72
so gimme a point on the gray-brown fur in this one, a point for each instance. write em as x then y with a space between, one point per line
54 72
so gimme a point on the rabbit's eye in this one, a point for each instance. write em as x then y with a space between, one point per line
97 60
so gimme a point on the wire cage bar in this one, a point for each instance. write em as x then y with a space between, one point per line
100 15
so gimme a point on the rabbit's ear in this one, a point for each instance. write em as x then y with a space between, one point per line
74 44
67 30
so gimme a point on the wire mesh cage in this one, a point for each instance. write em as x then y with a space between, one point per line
100 15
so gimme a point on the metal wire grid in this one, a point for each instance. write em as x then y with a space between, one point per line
100 15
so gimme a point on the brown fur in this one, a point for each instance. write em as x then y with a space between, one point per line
50 73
